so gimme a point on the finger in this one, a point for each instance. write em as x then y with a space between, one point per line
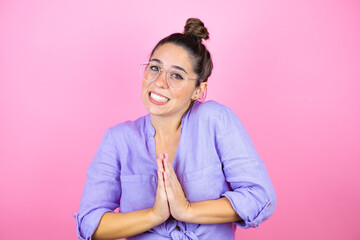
160 156
168 167
160 173
172 179
163 162
170 192
166 158
160 165
160 178
161 184
167 182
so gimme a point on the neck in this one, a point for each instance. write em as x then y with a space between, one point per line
166 127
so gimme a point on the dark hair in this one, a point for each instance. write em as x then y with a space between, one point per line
191 40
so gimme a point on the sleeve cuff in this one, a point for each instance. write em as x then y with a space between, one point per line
78 228
86 226
249 221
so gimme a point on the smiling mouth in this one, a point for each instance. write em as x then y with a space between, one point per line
158 98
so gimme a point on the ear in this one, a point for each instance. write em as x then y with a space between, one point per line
199 91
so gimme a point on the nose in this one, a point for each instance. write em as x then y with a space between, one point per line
161 80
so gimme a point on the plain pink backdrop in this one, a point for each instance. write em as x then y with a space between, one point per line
289 69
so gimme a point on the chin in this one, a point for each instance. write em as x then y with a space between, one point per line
156 112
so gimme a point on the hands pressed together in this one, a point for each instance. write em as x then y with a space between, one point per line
170 197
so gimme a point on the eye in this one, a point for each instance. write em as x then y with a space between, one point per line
154 68
177 76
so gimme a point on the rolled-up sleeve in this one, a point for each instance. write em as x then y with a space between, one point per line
102 189
252 195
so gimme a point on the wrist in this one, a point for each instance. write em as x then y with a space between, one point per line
188 213
155 218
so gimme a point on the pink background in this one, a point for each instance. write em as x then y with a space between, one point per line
289 69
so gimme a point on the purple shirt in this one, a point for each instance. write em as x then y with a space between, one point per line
215 158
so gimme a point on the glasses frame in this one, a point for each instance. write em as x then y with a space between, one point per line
167 75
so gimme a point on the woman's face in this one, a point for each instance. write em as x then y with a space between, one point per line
176 102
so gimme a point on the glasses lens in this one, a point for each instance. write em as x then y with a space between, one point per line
177 79
149 71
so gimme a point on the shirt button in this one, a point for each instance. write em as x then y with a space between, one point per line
177 228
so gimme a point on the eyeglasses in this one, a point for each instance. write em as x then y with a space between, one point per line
175 78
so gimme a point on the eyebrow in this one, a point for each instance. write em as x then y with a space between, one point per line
159 61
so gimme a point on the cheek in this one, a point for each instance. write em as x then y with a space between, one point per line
144 91
188 94
183 98
144 88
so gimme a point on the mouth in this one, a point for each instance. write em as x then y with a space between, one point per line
158 99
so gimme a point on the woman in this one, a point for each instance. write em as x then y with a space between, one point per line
186 170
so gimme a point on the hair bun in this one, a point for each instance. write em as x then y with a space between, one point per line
196 28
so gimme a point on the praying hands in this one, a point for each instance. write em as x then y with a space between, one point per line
169 186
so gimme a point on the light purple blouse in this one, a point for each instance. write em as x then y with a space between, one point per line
215 158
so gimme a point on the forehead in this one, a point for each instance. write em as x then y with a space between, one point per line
173 55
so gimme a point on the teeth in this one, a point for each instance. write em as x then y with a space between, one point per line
158 98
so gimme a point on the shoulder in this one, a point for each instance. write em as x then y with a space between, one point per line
215 114
206 115
209 109
128 128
